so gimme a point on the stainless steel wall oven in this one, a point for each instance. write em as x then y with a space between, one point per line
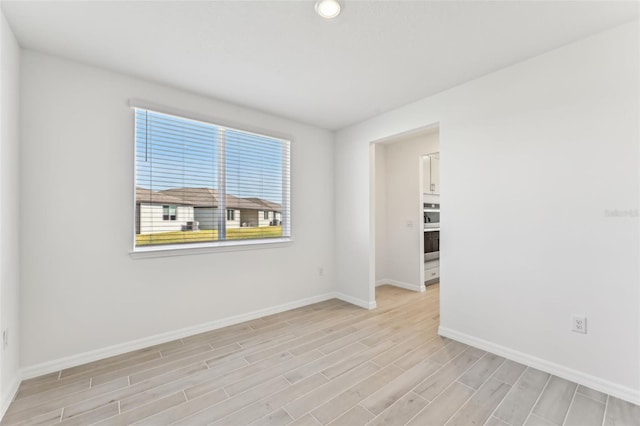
431 231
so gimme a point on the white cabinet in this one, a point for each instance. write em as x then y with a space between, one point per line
431 174
431 271
435 173
431 274
426 174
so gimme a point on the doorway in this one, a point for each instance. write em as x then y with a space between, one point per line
397 210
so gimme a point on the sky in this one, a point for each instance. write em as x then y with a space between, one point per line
174 153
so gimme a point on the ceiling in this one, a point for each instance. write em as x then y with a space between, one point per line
280 57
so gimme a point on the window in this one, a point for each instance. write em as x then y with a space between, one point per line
169 212
266 215
203 170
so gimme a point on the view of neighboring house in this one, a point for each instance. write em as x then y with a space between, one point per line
159 212
192 209
271 213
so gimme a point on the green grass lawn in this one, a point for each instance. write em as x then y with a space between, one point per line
204 236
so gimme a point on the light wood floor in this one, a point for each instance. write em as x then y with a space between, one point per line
328 363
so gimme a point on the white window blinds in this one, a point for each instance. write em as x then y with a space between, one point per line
201 183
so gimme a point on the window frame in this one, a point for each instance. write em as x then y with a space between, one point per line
231 214
151 251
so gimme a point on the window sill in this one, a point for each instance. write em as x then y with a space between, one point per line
191 249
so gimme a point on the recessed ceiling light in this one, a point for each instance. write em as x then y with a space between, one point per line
328 8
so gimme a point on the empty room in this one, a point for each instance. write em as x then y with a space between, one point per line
320 212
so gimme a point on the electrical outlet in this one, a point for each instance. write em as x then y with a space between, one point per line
5 338
579 324
321 271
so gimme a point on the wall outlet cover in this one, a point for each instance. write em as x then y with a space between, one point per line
579 324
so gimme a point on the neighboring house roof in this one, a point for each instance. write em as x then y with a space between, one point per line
197 197
144 195
266 205
242 203
205 197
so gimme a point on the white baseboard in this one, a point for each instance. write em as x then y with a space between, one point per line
613 389
355 301
98 354
407 286
7 397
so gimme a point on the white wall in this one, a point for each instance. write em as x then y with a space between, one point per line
9 210
380 155
77 152
401 248
532 156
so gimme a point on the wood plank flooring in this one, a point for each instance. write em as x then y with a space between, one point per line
326 364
